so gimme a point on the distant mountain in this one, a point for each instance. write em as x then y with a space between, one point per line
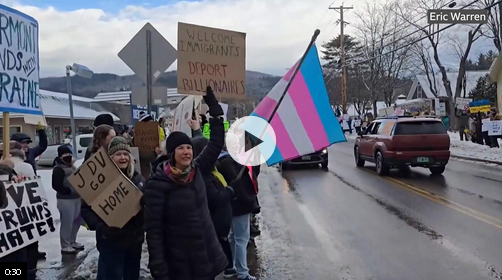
257 84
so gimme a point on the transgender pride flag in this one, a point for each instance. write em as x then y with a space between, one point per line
304 122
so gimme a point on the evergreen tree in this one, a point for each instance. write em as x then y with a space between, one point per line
485 89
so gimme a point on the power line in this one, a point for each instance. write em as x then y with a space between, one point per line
415 41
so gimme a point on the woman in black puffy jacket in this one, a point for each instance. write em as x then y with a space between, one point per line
182 241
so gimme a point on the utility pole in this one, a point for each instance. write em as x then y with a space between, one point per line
343 82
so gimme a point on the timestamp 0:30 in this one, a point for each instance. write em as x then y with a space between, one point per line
13 270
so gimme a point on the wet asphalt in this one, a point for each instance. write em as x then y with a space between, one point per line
349 223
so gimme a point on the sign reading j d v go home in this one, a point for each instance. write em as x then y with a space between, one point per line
19 64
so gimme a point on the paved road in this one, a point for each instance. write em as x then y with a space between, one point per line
349 223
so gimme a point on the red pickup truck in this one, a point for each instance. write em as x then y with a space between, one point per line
397 142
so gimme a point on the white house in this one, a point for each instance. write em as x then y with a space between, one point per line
421 86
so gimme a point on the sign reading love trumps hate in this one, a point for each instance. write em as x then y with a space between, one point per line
19 63
25 217
211 57
110 194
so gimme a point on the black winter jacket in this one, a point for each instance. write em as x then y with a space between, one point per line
132 233
246 202
219 197
181 237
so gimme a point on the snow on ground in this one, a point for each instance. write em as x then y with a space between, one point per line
84 265
465 148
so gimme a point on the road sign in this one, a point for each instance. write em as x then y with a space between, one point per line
134 54
139 95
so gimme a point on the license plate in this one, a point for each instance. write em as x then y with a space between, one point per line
306 158
422 159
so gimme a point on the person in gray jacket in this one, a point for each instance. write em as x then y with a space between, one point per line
68 201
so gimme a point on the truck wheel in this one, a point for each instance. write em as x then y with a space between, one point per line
381 167
437 170
357 156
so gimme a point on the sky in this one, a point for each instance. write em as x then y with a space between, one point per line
92 32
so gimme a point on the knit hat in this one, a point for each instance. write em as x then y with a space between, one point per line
176 139
64 149
145 117
103 119
118 143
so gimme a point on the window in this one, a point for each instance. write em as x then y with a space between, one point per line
374 130
419 127
85 141
13 129
369 128
385 127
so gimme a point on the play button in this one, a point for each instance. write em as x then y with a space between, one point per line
250 141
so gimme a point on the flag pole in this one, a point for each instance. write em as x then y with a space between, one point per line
312 41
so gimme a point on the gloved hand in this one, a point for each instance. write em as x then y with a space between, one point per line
40 126
215 109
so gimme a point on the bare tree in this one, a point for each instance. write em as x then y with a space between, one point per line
422 52
380 30
473 34
395 64
370 27
491 30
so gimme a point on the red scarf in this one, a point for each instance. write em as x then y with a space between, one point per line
253 179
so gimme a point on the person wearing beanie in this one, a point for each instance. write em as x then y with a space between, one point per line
103 119
18 157
119 248
175 194
32 153
68 201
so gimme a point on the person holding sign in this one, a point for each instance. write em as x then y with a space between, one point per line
181 237
68 201
119 248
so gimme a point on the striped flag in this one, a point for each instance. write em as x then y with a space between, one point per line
304 121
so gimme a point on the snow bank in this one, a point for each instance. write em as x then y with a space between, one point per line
473 150
465 148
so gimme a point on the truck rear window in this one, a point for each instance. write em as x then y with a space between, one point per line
418 127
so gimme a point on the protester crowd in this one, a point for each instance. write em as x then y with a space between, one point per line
197 205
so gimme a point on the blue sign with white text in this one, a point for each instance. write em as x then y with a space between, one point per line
19 64
137 109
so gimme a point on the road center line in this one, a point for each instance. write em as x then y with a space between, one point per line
444 201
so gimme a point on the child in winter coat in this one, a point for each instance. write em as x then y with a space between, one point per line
68 201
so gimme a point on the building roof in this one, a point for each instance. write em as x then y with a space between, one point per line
124 96
472 78
57 105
